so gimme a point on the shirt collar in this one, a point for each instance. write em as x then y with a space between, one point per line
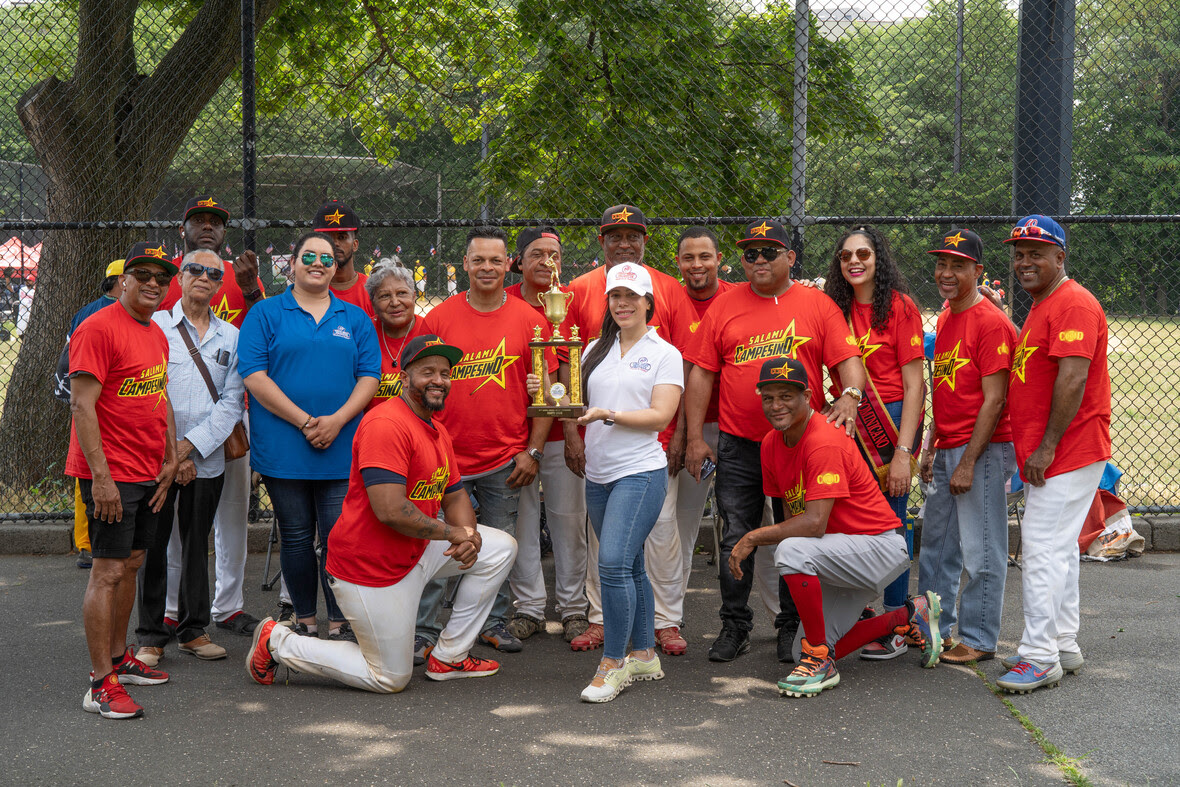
177 314
287 300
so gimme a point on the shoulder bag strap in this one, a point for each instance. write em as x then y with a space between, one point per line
195 354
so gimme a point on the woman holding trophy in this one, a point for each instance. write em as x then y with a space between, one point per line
633 381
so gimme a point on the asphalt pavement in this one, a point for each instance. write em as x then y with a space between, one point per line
888 723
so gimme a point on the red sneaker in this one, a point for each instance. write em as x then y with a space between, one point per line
260 663
111 701
590 639
133 672
671 642
470 667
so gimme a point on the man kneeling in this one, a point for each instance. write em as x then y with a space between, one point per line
840 545
388 544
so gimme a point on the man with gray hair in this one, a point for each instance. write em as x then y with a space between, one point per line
203 353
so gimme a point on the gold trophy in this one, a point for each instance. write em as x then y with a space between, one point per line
556 306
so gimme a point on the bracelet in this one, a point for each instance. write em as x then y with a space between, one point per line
905 449
305 424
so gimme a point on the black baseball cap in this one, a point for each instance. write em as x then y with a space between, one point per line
145 252
204 204
765 230
525 238
963 243
335 216
783 370
622 216
426 345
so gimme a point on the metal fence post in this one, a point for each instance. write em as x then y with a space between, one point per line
249 136
799 131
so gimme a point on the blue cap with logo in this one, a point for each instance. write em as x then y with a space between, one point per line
1039 228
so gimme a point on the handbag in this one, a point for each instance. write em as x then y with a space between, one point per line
237 444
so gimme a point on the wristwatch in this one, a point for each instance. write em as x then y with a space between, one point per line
253 295
610 419
855 393
536 454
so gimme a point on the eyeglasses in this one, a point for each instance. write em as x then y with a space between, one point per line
309 258
1034 231
768 253
214 274
862 254
143 276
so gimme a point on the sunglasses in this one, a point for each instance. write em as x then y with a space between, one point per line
862 254
143 276
309 258
768 253
1033 231
214 274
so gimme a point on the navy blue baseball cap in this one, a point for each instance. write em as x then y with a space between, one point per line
783 370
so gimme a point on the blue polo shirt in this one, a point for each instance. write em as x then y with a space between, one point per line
316 365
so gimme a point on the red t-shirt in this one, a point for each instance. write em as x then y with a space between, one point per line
130 360
391 374
1070 322
361 549
486 408
743 329
228 303
969 346
885 350
555 433
700 307
826 464
357 295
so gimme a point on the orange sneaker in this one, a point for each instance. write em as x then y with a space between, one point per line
470 667
260 662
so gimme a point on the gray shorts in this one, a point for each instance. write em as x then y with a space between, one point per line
852 571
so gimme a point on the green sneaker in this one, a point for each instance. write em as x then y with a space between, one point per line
816 672
924 626
638 669
615 679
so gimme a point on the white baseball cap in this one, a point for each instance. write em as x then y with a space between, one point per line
633 277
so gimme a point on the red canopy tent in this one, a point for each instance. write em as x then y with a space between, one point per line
17 259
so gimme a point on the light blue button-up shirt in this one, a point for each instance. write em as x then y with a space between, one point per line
204 424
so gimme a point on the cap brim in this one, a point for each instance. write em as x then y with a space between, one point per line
604 228
954 253
218 211
1035 240
335 229
741 244
448 351
796 383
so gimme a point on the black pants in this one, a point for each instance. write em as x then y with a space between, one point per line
195 504
740 500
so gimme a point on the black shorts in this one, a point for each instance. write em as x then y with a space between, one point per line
134 531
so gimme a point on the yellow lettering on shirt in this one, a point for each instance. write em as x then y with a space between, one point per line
486 364
770 345
827 479
390 386
794 500
1020 359
1003 349
152 381
432 489
947 364
1071 336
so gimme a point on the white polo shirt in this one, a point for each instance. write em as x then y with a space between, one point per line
622 383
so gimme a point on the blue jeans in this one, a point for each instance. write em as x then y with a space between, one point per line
497 505
622 514
968 531
302 508
899 589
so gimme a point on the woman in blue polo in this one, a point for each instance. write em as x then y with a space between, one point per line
311 364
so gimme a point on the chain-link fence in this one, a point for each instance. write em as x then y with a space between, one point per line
426 117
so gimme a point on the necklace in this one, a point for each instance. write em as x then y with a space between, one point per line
396 358
467 295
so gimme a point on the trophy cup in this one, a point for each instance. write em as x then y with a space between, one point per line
556 303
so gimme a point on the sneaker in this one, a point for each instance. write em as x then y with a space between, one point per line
1071 661
786 641
286 614
573 627
670 641
638 669
172 624
523 626
149 656
816 672
924 626
590 639
260 662
240 622
302 630
111 701
203 648
888 647
615 679
470 667
1028 676
133 672
962 653
730 643
342 634
500 638
85 560
422 648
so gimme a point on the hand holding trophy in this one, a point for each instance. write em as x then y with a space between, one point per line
556 306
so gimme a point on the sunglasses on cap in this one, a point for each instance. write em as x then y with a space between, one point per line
1033 231
143 276
310 257
214 274
862 254
768 253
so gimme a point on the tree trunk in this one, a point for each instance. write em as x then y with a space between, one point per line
105 140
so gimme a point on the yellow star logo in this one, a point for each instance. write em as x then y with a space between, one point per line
207 203
693 328
334 218
486 364
1020 358
954 240
866 349
762 347
782 372
947 364
224 312
622 215
760 230
794 500
158 252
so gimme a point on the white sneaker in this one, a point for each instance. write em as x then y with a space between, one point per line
889 647
1071 661
614 681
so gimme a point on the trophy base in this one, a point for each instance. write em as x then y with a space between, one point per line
554 411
